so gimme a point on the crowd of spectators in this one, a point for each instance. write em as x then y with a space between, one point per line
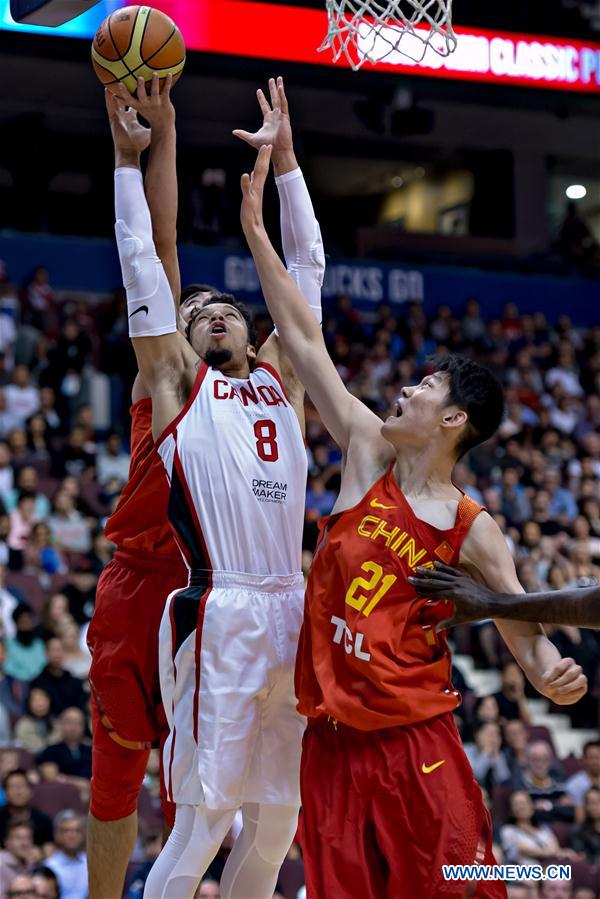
61 475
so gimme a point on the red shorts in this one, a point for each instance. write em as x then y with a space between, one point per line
127 714
381 815
117 775
123 638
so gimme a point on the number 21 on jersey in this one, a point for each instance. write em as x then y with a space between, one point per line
377 584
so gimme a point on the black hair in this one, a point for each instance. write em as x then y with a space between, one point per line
218 297
591 744
25 494
535 818
473 388
588 822
15 825
478 703
192 289
16 772
48 874
23 608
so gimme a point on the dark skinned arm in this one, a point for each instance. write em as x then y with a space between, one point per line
576 606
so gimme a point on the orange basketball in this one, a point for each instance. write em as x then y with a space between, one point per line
135 42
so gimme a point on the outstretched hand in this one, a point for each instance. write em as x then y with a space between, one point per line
253 187
129 135
155 107
472 601
276 128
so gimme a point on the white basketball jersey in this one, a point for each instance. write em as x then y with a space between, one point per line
236 461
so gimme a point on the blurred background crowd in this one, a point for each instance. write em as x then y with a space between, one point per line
63 462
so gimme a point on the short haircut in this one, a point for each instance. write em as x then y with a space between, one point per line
591 744
66 816
537 744
19 772
193 290
483 724
22 609
26 494
473 388
15 825
44 871
218 297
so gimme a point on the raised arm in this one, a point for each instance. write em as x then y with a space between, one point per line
164 358
576 607
486 556
300 233
161 186
297 327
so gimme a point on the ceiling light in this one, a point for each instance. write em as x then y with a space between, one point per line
397 181
576 192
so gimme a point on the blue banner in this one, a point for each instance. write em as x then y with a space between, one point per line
93 265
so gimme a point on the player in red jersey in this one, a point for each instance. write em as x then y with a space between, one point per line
387 791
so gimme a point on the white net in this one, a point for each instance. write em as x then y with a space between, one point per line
389 30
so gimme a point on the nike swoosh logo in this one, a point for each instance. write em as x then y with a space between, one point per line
139 309
375 504
427 769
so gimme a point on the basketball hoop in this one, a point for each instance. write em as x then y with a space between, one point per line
378 30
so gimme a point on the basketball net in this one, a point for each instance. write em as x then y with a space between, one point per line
377 30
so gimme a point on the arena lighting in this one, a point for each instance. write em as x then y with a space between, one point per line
223 26
576 192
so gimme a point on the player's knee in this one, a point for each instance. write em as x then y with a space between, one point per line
116 782
275 831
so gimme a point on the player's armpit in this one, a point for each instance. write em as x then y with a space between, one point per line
299 331
167 366
273 354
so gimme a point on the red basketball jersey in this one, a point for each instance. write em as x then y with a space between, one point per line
369 655
140 523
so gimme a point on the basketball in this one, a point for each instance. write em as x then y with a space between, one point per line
135 42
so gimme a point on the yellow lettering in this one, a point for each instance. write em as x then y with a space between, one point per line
410 549
368 519
376 571
399 541
380 531
377 579
388 581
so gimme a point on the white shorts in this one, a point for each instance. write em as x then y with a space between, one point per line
227 655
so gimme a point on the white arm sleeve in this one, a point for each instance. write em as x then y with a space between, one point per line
150 306
301 238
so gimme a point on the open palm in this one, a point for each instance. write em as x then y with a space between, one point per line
128 131
276 129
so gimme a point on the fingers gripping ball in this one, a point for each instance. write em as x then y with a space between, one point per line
135 42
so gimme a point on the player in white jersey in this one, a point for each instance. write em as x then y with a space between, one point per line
231 440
